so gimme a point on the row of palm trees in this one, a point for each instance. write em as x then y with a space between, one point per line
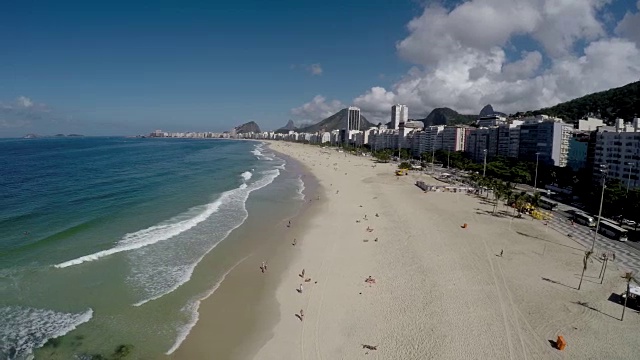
506 191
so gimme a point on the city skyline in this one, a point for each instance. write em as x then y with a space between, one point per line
126 70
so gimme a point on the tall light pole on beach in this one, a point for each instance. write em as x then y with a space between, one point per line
433 153
484 172
535 182
448 155
603 170
629 180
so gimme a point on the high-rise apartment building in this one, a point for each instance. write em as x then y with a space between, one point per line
545 141
353 118
399 115
618 148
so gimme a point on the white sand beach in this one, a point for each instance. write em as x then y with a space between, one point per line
441 291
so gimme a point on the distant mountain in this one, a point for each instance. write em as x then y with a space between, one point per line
336 121
622 102
486 111
285 129
249 127
446 116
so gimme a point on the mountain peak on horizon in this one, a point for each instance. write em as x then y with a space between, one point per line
487 110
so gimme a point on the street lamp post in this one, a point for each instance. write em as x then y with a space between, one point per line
603 170
535 182
484 172
449 155
629 180
433 155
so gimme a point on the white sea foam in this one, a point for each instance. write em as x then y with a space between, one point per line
257 151
246 175
192 308
161 232
161 269
300 188
150 235
24 329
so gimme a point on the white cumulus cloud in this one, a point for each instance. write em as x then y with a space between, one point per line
315 69
461 57
24 102
317 109
629 27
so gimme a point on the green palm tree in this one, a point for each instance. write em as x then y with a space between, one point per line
629 276
521 201
499 192
585 260
534 199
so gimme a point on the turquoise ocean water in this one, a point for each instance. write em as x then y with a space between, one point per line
100 237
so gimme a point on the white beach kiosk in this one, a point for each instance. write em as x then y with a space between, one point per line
634 296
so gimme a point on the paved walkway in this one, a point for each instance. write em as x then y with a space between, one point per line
627 258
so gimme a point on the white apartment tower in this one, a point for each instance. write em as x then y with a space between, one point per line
353 118
399 115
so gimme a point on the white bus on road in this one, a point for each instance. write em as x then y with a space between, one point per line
613 231
584 219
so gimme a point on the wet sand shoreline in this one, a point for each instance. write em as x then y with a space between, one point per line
237 319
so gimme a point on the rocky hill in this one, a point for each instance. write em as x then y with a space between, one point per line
289 127
336 121
622 102
249 127
488 110
446 116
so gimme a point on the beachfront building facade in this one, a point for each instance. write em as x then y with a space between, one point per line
491 120
578 149
482 142
508 138
453 138
618 148
589 123
427 140
399 115
383 139
545 141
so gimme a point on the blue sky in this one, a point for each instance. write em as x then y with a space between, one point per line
128 68
124 67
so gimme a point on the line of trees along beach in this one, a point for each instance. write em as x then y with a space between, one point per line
617 201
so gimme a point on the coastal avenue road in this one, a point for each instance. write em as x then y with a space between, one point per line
566 210
627 253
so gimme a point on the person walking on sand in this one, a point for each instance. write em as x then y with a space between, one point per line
302 274
301 315
501 252
294 242
300 289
